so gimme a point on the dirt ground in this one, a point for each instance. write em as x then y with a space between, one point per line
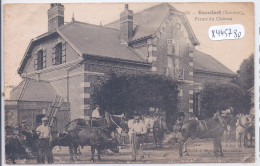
199 151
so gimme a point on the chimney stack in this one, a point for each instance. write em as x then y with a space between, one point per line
55 16
126 24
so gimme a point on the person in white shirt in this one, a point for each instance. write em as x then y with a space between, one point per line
137 130
43 144
96 113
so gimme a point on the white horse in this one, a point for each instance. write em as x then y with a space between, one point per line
243 124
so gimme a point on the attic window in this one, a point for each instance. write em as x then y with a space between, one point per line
59 54
40 60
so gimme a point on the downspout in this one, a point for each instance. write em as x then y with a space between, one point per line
68 71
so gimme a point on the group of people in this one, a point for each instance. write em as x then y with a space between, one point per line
43 143
139 127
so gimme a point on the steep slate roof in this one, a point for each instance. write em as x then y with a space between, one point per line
205 62
148 21
89 39
100 41
32 90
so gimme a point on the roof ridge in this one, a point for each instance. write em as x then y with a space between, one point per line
160 4
96 25
215 60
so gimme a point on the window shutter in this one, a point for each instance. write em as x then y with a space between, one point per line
44 58
53 55
35 61
63 55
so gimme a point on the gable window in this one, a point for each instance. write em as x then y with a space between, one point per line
40 60
169 61
59 54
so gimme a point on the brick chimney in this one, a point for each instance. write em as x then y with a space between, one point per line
55 16
126 24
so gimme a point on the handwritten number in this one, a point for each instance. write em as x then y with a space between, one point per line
213 33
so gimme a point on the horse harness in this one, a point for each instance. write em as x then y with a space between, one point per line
240 124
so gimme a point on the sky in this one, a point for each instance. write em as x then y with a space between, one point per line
23 22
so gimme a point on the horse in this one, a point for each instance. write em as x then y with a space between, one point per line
66 138
229 133
80 133
243 125
210 128
98 139
95 137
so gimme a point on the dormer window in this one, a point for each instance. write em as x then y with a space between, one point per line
59 54
40 60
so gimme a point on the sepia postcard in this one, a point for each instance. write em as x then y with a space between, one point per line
129 83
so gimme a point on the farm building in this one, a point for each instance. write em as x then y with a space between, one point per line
70 59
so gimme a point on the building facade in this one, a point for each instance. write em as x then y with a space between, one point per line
71 59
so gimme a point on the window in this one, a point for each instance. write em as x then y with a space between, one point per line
176 48
169 61
59 54
191 59
169 46
40 60
196 105
177 63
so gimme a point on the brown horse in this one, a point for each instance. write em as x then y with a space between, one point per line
210 128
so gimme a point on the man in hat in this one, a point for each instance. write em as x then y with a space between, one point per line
138 130
43 144
24 125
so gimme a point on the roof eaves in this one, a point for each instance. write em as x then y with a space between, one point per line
212 72
118 59
196 42
140 39
27 54
25 58
216 61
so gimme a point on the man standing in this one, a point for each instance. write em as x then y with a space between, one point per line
43 144
138 130
158 130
